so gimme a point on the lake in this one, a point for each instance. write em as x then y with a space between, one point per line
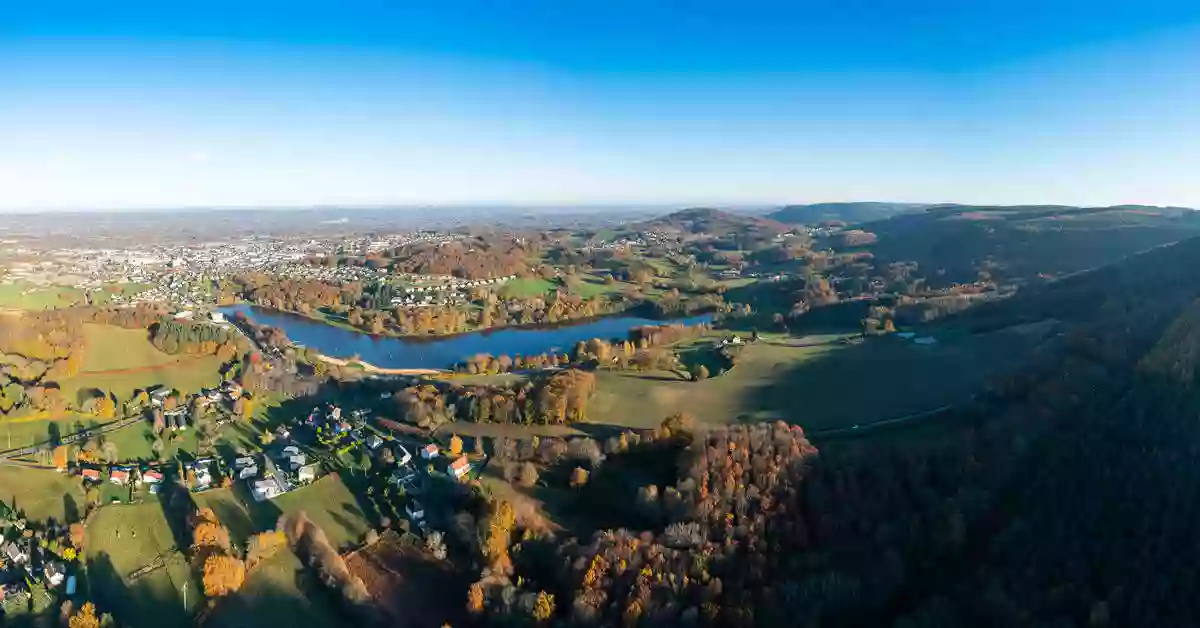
434 352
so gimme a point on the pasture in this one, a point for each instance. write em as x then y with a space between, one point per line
41 493
121 361
134 565
280 591
23 295
816 381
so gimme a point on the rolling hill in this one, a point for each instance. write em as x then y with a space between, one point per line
708 221
848 212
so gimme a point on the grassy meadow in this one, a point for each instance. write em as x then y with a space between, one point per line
23 295
815 381
41 493
121 361
121 541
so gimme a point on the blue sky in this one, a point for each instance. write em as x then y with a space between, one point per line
131 105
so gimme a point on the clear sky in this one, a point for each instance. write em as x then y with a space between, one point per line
129 104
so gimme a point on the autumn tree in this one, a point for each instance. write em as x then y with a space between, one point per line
579 477
264 545
475 599
529 475
543 607
105 407
85 617
59 457
223 574
456 445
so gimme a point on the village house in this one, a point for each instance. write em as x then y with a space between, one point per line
159 396
306 473
459 467
151 476
15 554
264 489
202 475
430 451
90 475
55 573
401 454
119 476
374 442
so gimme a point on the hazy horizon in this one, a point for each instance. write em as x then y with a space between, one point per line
141 106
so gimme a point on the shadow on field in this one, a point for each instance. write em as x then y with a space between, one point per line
879 378
128 602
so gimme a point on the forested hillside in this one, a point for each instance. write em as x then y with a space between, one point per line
851 212
1065 495
953 243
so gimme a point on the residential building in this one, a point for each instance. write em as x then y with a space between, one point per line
55 573
264 489
90 475
430 451
119 476
307 473
460 467
402 455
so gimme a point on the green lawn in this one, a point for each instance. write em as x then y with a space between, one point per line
815 382
23 295
41 493
526 287
327 502
122 539
280 591
17 432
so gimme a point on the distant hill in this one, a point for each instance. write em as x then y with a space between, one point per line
705 220
844 212
951 243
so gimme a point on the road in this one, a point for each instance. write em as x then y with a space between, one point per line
46 445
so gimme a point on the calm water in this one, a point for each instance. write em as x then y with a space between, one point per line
442 353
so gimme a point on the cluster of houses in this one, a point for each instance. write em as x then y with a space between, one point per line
124 475
276 472
423 296
27 560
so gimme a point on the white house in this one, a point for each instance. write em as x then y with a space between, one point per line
307 473
265 489
247 472
402 455
55 573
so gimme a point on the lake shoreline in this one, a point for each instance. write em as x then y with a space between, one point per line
392 354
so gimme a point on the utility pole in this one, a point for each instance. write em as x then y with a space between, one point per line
185 597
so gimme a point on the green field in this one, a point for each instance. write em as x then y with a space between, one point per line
108 347
526 287
272 596
815 382
41 493
327 502
22 295
189 375
122 539
121 361
20 432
